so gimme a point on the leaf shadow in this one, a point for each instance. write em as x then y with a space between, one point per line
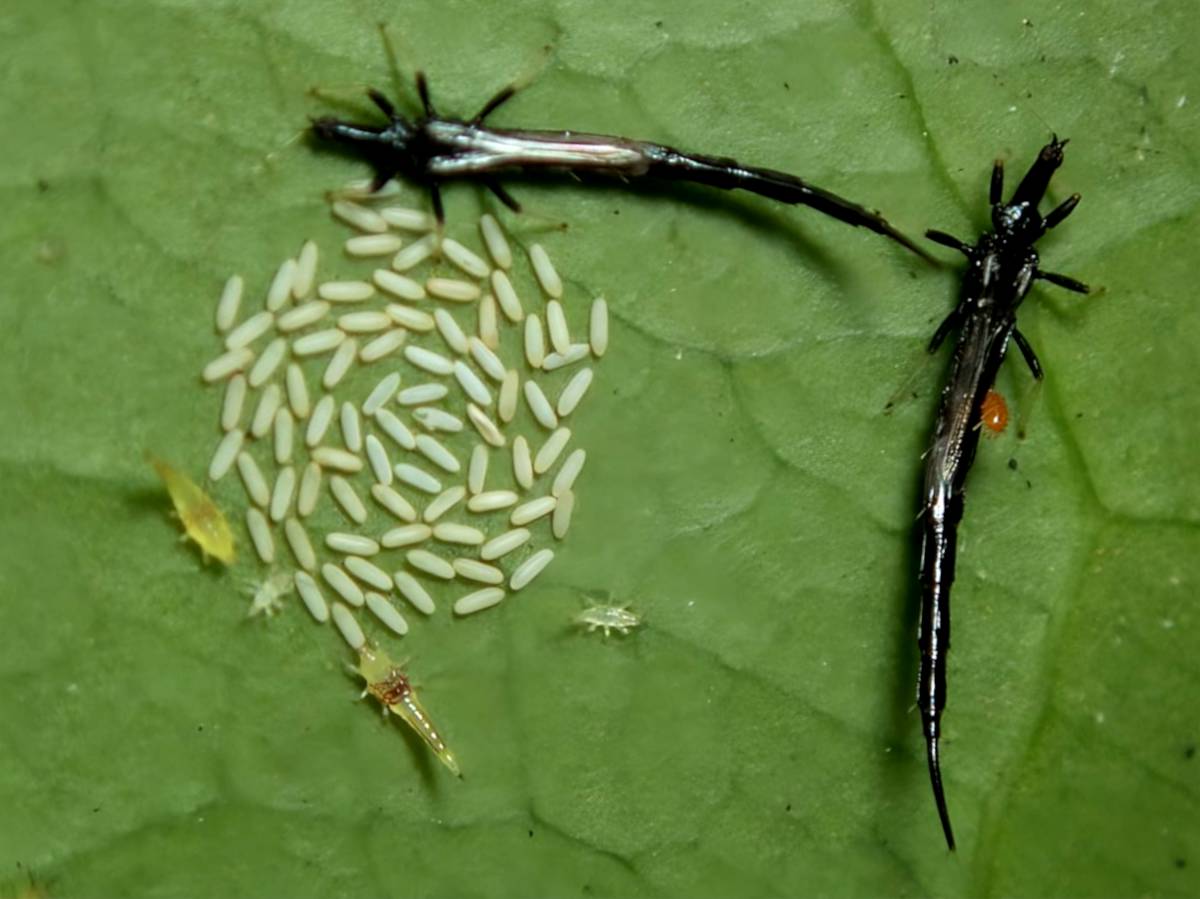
140 501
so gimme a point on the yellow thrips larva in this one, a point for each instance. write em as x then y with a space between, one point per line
388 683
202 520
608 619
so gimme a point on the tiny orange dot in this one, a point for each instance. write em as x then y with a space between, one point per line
994 413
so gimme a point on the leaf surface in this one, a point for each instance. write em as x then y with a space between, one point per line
744 490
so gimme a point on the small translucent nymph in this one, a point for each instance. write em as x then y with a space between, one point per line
608 619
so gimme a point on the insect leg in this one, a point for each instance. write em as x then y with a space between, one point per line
996 192
343 96
384 104
423 93
1031 358
948 240
504 95
1061 211
380 179
949 323
501 194
508 92
439 211
1062 281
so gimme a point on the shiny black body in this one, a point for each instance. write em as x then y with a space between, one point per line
1002 267
433 149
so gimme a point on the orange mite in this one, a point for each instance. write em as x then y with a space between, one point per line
993 415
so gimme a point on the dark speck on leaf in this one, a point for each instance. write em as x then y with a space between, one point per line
1189 751
1079 415
952 59
786 86
1012 464
1181 863
658 24
1029 485
1027 23
788 808
42 185
531 834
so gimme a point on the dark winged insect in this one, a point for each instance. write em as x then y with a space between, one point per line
433 148
1001 269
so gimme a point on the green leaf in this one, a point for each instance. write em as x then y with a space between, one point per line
744 490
